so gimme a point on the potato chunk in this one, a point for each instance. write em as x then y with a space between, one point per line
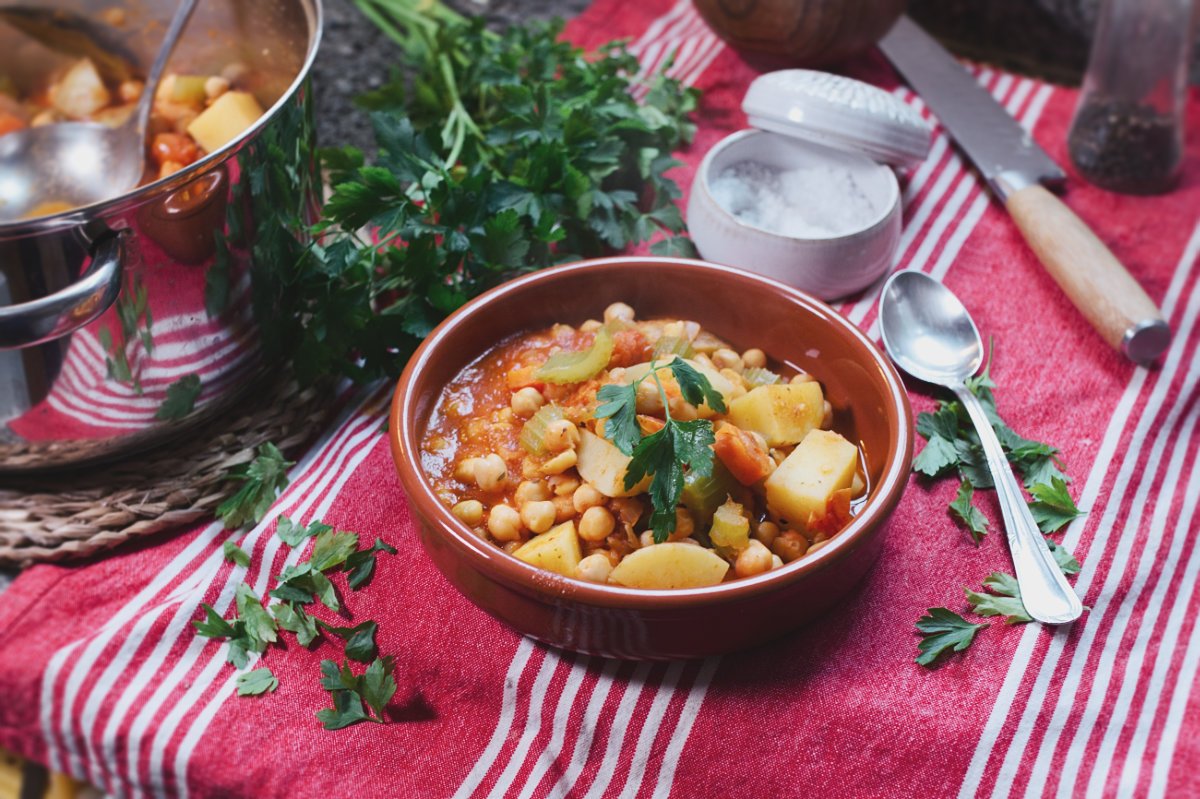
225 120
603 465
780 414
718 381
670 565
555 550
802 486
81 92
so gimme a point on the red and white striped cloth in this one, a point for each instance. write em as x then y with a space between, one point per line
101 675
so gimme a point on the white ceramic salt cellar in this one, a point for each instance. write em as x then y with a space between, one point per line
808 120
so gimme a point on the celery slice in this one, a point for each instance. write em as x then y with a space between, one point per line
562 368
703 495
673 345
730 531
533 434
757 376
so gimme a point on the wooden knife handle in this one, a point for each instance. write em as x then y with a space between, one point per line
1099 285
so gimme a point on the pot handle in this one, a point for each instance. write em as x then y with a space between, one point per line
67 310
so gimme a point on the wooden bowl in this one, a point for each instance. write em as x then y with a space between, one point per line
748 311
810 32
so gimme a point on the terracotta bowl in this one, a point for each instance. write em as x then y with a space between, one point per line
748 311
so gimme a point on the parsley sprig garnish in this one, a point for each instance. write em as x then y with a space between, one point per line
953 448
665 453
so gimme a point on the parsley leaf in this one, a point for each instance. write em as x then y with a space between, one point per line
180 399
1066 561
943 631
347 710
235 554
379 686
213 626
259 624
970 516
300 582
376 687
360 639
259 681
1004 599
294 534
362 563
332 548
695 387
262 479
1052 506
295 619
619 407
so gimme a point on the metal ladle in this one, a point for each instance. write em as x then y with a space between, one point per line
930 335
80 163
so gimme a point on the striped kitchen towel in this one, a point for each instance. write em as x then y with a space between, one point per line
101 675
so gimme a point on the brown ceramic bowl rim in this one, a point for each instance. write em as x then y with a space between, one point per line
405 433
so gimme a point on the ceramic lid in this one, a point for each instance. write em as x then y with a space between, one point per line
839 112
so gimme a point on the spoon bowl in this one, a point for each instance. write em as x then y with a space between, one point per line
929 334
51 168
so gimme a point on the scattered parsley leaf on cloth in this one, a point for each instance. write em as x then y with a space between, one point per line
1066 561
360 639
296 620
294 534
943 631
259 681
970 516
235 554
1004 599
262 480
376 687
362 563
1052 506
332 548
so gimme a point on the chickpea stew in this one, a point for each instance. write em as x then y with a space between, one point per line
525 453
192 115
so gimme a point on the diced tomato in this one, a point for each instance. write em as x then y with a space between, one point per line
10 123
837 514
173 147
629 347
520 377
745 458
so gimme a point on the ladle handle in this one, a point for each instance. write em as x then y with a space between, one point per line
141 117
1089 274
1045 592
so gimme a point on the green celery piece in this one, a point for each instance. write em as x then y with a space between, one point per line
703 495
563 368
533 433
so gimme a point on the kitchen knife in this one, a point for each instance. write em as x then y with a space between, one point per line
1016 168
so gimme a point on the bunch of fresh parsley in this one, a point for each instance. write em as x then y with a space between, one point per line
356 697
953 447
503 153
668 451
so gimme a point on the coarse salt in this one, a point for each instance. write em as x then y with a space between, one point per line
811 202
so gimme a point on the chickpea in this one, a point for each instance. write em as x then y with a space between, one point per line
586 496
561 435
754 559
215 86
595 568
726 358
491 473
818 545
684 526
776 562
469 512
465 470
130 90
560 462
733 376
647 539
803 377
563 485
827 418
789 546
766 533
649 399
511 546
526 402
504 523
591 326
596 524
754 358
531 491
618 310
539 516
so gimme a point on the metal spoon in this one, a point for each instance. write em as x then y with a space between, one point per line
930 335
80 163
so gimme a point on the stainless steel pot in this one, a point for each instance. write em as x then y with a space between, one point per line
126 322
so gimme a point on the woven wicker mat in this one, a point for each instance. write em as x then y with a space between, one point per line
56 518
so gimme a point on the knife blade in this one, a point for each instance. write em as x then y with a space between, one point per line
1017 170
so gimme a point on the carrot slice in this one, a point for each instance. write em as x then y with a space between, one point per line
745 458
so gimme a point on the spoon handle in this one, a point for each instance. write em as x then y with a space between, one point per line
1045 592
141 115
